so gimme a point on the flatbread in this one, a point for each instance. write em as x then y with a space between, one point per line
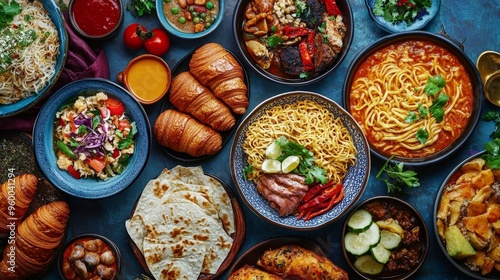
182 224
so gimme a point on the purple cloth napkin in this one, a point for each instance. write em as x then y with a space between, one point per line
83 61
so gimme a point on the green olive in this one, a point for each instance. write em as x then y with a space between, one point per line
182 20
203 15
175 10
191 8
194 14
209 5
212 20
196 19
208 24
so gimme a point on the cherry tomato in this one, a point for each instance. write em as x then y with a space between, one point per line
159 43
132 36
114 106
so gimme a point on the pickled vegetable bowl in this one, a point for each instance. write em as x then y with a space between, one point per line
93 137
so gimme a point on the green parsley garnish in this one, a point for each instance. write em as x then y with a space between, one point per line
143 7
432 88
396 11
396 177
492 155
307 167
7 12
274 41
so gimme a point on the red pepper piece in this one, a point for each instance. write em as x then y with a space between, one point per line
324 195
313 191
292 31
331 8
310 43
306 57
332 202
72 171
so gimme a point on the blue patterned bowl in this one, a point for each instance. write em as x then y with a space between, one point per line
43 141
403 26
354 182
26 103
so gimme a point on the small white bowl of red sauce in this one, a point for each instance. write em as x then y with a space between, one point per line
96 19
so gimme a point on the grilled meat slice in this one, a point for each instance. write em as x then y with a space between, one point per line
283 191
290 61
295 262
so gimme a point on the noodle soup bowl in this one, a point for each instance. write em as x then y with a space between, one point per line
24 104
45 140
354 182
413 102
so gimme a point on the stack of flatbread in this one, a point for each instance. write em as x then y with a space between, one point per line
182 224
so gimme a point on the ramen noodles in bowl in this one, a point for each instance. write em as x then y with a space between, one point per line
29 45
415 97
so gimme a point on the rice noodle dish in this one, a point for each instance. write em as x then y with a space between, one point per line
29 44
93 137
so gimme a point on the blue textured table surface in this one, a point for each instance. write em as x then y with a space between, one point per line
476 22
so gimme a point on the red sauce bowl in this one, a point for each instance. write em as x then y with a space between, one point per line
96 19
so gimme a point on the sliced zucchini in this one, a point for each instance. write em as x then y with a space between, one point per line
380 253
389 239
358 243
366 264
359 221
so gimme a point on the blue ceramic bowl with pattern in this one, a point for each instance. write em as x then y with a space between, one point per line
422 19
164 13
43 141
354 181
26 103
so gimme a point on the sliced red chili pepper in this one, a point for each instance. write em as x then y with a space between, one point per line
306 57
324 195
61 122
292 31
325 208
116 153
72 171
313 191
331 8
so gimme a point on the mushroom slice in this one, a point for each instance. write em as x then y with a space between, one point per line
259 53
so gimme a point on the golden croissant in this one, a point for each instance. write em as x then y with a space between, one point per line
183 133
189 96
219 70
36 241
19 190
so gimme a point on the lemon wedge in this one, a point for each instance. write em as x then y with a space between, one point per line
273 151
271 166
289 164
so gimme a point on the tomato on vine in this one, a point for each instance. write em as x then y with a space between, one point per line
158 43
132 36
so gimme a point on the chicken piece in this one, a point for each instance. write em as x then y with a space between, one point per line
283 191
250 272
295 262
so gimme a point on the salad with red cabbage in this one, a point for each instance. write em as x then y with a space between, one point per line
93 137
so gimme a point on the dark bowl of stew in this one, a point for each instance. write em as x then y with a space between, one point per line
190 21
421 109
385 237
293 42
89 255
96 20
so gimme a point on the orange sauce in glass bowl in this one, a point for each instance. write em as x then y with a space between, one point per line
147 77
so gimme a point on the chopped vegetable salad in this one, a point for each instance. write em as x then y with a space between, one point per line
93 137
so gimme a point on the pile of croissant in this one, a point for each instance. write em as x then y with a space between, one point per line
31 241
206 98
